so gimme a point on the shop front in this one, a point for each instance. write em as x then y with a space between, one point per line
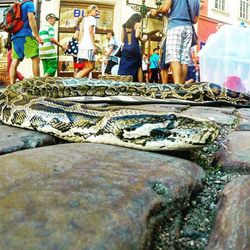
70 12
113 14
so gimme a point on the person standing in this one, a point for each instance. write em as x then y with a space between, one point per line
154 65
131 58
8 46
72 48
192 67
112 60
145 63
179 34
87 48
47 50
25 41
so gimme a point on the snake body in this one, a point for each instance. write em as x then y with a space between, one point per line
33 103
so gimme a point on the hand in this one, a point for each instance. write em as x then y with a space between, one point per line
64 47
39 39
153 13
144 38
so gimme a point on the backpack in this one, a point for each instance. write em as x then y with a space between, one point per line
12 22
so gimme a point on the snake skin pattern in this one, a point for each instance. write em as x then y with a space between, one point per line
33 103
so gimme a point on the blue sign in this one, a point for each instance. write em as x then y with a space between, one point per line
78 13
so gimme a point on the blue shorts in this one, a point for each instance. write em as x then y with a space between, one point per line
24 47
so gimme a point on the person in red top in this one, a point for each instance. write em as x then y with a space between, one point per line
8 46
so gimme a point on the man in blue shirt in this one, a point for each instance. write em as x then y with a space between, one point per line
179 34
24 43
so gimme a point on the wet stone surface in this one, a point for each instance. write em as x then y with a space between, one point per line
90 196
244 124
212 114
231 229
234 155
61 196
197 221
15 139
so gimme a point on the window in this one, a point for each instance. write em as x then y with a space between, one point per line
219 5
244 9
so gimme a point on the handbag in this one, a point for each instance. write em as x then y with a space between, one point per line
194 35
72 47
162 42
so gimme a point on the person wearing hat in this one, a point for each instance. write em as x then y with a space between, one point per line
25 41
47 50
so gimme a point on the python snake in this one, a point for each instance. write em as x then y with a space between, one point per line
33 104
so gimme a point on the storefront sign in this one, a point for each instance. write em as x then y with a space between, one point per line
78 13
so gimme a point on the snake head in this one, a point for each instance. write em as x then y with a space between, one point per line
157 132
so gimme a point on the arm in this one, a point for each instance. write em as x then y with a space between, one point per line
111 48
122 35
195 19
164 8
33 26
138 31
54 41
76 35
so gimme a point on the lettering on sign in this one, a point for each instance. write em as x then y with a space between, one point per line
78 13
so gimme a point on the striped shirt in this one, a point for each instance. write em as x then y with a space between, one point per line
48 49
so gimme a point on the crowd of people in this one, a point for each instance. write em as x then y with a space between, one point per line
174 54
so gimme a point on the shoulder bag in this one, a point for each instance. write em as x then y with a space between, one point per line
194 35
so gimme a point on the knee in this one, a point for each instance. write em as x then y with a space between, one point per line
92 66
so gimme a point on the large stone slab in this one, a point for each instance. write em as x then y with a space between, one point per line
166 108
14 139
234 154
89 196
221 116
232 225
221 109
244 115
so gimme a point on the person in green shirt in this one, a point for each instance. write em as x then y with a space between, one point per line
47 51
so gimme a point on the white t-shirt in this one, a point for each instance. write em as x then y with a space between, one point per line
86 42
145 64
114 43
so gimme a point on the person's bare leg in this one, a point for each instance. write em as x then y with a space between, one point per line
89 66
146 78
75 72
177 72
13 69
35 66
184 68
140 75
164 76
